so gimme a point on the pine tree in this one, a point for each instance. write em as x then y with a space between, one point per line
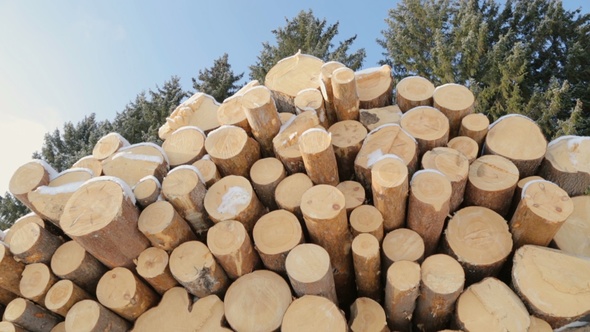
10 210
312 36
218 81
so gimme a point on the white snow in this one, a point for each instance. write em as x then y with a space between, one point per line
390 156
391 125
190 128
311 130
189 167
508 116
76 169
425 171
224 127
206 157
142 157
287 124
373 157
127 192
523 193
571 325
63 189
50 170
155 146
368 71
233 199
146 178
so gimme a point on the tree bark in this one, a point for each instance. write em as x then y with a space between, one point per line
455 101
390 190
347 140
414 91
152 266
147 191
71 261
326 72
367 266
346 98
232 150
318 156
263 118
232 247
63 295
34 244
164 227
35 282
30 316
401 292
89 315
10 271
286 142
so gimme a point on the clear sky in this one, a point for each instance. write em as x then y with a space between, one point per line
61 60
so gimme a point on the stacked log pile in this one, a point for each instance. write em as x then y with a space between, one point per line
310 203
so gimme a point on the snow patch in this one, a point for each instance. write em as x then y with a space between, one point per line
50 170
508 116
127 192
142 157
390 156
190 128
76 169
373 157
368 71
572 325
526 186
425 171
232 199
189 167
63 189
146 178
155 146
287 124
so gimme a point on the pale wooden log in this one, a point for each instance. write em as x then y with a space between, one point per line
478 238
323 208
152 266
354 195
318 156
401 292
539 325
257 302
572 237
185 190
567 164
60 327
367 266
286 142
311 100
402 244
200 110
390 190
542 210
376 117
34 244
413 91
71 261
326 72
291 75
455 101
233 198
491 305
518 139
163 226
232 247
275 234
108 145
6 296
347 140
185 146
124 293
177 312
147 191
454 165
265 175
263 118
428 206
475 126
35 282
29 177
63 295
552 284
366 219
466 145
232 112
194 267
91 163
518 192
91 316
232 151
491 183
10 327
374 86
208 170
441 282
429 126
30 316
285 117
19 223
387 139
289 191
313 313
134 162
346 99
367 315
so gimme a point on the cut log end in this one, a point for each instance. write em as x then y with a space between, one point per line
466 145
310 272
367 315
313 313
89 315
414 91
574 233
185 146
402 244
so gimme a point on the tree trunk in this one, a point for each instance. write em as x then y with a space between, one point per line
34 244
467 146
347 140
402 244
454 165
375 87
29 177
390 190
455 102
475 126
414 91
572 237
71 261
367 315
164 227
401 292
312 100
208 170
326 316
63 295
318 156
147 191
376 117
366 219
229 242
346 98
286 142
152 266
108 145
429 126
89 315
10 271
265 175
30 316
262 116
367 266
232 150
6 296
35 282
185 146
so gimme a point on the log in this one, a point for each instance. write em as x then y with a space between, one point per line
428 206
475 126
152 266
454 165
289 191
441 282
286 142
19 223
257 302
312 100
374 86
134 162
367 315
539 325
200 110
354 195
375 117
60 327
518 192
275 234
285 117
318 156
313 313
29 177
108 145
367 219
29 316
429 126
232 198
6 296
71 261
177 312
10 271
390 190
367 266
232 151
402 244
291 75
232 112
401 292
91 163
455 101
91 316
124 293
552 284
147 191
413 91
542 210
347 140
310 272
163 226
185 146
478 238
325 217
208 170
518 139
346 99
265 175
101 216
263 118
63 295
566 164
194 267
491 183
490 305
185 190
232 247
326 72
33 244
10 327
35 282
466 145
572 237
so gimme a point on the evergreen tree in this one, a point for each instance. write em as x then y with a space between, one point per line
10 210
218 81
312 36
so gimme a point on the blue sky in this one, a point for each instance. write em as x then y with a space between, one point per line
62 60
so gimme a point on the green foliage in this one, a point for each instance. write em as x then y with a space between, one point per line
10 210
218 81
312 36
